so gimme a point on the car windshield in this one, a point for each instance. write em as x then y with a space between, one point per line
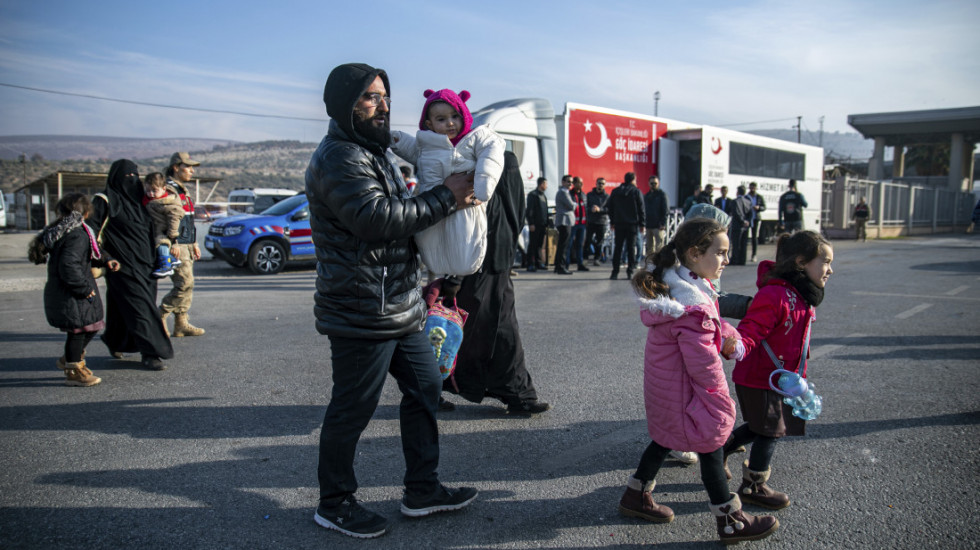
286 206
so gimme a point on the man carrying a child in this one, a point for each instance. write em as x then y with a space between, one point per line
367 301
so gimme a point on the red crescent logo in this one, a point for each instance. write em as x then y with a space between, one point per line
715 145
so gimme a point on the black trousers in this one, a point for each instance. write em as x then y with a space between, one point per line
737 237
75 345
360 367
561 251
535 242
712 470
763 447
595 233
625 236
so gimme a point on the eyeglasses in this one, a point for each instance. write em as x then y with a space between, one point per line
375 99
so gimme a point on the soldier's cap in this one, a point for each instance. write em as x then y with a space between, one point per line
182 158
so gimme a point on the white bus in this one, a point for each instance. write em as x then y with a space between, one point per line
710 155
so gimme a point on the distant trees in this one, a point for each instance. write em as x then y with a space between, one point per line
927 159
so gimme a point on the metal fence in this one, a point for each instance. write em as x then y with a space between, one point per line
895 204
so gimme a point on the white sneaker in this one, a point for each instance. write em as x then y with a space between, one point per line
753 259
687 457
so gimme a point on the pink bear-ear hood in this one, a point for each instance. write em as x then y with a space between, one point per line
456 101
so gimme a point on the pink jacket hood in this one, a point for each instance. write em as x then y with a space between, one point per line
456 101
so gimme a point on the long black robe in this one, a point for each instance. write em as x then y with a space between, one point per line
132 319
490 362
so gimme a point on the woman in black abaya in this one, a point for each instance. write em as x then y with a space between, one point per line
490 362
132 322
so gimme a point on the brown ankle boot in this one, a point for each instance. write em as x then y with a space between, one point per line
77 374
183 326
755 491
163 317
638 502
734 525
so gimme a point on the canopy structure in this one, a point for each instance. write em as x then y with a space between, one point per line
43 194
959 127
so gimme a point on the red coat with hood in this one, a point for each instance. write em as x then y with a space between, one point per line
779 315
684 386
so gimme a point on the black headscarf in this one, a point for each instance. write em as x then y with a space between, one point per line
128 235
343 89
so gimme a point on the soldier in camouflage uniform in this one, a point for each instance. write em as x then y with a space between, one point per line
178 301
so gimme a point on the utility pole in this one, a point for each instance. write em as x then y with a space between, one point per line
799 134
821 130
656 100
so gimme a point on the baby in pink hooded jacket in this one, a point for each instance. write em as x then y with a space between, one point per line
685 390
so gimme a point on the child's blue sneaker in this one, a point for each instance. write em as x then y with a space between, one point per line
174 261
164 267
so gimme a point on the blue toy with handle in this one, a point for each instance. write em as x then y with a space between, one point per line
796 392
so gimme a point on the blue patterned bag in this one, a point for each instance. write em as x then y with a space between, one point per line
444 329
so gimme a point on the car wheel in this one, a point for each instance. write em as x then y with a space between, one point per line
266 258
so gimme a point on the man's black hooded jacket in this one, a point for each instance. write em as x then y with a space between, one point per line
363 219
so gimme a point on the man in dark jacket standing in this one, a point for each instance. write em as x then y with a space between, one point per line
740 209
626 216
537 225
597 219
791 205
655 204
368 301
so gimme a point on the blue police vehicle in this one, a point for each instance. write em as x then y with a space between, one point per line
265 242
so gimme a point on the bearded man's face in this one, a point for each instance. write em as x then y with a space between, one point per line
371 118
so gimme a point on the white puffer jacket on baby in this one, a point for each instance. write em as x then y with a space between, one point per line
457 244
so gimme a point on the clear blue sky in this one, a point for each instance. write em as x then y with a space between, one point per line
713 62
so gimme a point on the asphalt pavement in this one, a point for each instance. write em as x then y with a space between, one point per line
220 449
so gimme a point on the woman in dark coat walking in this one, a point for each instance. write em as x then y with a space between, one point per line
490 362
71 297
132 321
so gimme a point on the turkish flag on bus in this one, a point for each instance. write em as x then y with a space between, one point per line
608 145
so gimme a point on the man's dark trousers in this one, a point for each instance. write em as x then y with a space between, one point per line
625 234
575 252
535 242
561 249
595 233
360 367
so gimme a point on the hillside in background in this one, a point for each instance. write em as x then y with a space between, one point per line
846 147
96 147
261 164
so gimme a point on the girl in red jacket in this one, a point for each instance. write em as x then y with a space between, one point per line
685 389
779 316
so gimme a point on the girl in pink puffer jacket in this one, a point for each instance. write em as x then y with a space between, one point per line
684 386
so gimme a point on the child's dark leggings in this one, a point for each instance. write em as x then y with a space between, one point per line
75 345
712 470
762 447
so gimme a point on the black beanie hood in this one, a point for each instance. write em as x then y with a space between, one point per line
343 89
